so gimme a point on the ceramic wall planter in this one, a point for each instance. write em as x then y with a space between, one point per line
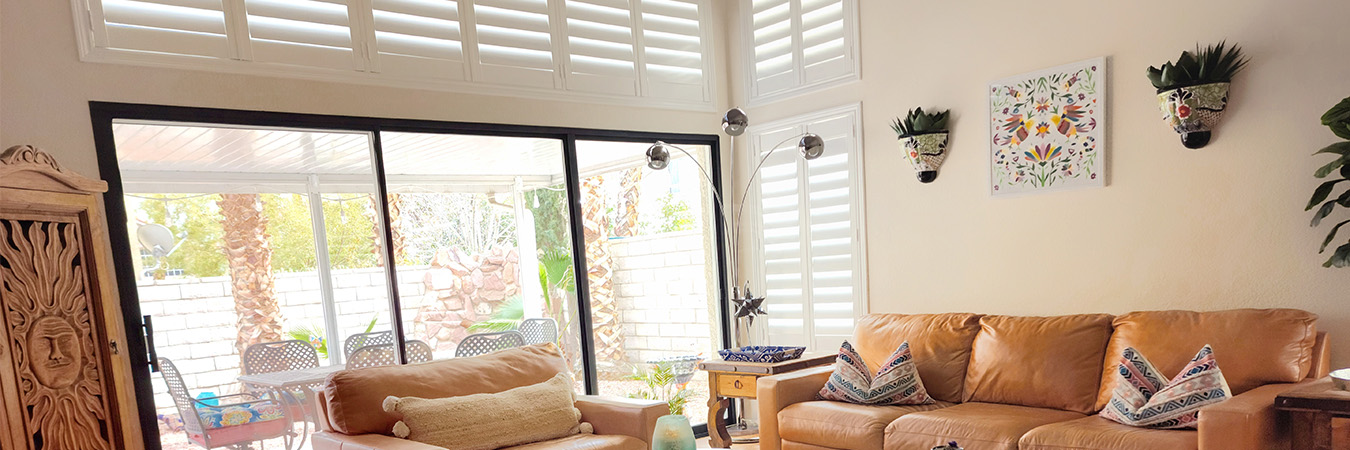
1194 111
926 153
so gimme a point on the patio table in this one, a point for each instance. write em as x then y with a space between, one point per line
295 380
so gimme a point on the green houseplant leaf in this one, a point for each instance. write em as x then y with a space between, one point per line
1321 193
1331 167
1338 119
1331 236
1340 258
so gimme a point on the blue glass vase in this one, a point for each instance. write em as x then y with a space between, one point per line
673 433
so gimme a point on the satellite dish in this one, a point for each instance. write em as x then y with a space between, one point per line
156 239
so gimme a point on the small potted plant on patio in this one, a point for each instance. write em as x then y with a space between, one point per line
1338 119
660 383
1193 90
923 136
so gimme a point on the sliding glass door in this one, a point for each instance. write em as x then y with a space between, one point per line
265 246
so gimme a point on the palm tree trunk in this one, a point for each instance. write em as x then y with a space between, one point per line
599 273
249 252
395 205
628 222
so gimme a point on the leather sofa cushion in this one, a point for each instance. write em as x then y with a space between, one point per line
940 344
1047 362
354 397
984 426
587 442
1096 433
842 425
1253 346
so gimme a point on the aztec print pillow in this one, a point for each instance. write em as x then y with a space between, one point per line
897 383
1144 398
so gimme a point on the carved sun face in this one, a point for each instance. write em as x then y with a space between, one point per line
55 351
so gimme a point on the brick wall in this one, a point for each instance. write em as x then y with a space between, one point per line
662 283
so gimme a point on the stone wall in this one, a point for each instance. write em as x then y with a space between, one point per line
662 282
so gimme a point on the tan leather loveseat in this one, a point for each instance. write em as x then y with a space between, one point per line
352 419
1036 383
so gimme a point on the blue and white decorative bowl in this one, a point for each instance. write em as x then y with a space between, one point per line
761 353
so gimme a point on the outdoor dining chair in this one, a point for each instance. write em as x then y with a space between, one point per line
481 343
383 355
356 341
281 356
234 420
539 331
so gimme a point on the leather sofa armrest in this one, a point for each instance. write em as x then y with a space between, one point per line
776 392
1248 421
329 440
622 416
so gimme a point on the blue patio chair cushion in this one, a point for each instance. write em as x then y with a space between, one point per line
239 414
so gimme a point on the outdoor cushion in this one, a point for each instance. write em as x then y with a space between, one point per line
239 414
897 383
1145 398
517 416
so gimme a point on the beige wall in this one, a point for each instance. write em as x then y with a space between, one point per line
1220 227
46 90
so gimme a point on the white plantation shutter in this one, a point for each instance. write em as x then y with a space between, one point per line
515 43
314 33
182 27
674 52
601 54
419 38
800 44
653 50
809 250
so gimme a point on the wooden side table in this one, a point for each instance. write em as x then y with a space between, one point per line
729 379
1311 408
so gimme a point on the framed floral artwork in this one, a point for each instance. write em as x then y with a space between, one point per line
1047 129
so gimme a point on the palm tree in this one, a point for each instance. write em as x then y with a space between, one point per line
604 306
628 196
249 252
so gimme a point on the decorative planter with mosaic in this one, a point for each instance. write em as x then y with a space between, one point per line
926 153
1193 111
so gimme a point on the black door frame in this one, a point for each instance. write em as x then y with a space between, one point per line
102 115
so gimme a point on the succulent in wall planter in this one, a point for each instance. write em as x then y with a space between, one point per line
923 136
1193 91
1338 119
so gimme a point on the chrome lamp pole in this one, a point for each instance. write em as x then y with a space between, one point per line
746 304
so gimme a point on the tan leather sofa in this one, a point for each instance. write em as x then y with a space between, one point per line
1036 383
352 419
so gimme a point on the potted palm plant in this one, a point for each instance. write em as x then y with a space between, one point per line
923 136
1338 119
1193 91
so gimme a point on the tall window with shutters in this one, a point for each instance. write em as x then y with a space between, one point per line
655 51
808 252
798 45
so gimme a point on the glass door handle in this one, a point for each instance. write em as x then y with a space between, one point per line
148 328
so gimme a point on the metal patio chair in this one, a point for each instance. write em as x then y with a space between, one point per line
281 356
383 355
211 422
356 341
481 343
539 331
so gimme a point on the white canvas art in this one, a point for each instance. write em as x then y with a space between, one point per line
1047 129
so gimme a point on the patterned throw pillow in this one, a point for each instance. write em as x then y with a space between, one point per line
897 383
1144 398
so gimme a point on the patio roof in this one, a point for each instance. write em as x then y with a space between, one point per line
197 158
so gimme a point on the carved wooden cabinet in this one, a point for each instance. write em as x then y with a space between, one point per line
65 378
